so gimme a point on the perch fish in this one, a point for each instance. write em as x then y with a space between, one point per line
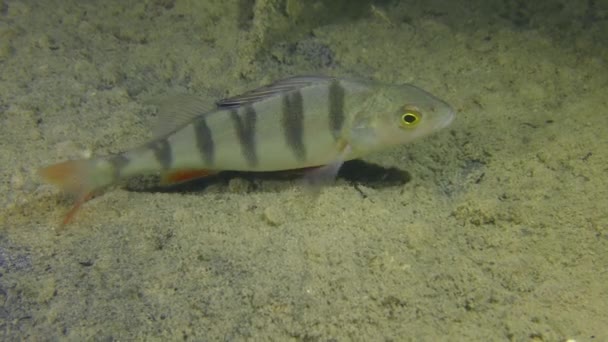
301 122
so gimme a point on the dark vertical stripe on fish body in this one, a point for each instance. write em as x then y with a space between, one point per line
245 131
293 123
204 141
336 108
118 162
162 152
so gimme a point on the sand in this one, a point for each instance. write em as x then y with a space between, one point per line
497 229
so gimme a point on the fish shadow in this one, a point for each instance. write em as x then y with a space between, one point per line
356 172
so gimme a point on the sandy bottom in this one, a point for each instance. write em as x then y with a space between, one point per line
497 231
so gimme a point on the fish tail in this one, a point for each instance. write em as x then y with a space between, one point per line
79 178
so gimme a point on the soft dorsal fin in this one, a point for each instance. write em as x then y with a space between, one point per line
177 110
278 87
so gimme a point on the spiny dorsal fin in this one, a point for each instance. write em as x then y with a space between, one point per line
278 87
175 111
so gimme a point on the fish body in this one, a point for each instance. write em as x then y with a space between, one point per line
299 122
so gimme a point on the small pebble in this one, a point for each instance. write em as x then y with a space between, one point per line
274 216
17 181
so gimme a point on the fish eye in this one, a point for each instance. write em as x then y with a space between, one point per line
410 118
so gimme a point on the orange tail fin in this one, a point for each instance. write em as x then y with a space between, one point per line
75 177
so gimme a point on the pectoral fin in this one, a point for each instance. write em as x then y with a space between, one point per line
326 174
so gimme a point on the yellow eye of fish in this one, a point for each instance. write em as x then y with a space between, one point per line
410 118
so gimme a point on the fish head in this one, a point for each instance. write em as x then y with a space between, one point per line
396 115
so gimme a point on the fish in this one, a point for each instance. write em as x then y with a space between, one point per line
313 123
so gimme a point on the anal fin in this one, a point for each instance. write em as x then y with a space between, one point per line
181 176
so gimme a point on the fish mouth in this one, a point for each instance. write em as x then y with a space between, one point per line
446 120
